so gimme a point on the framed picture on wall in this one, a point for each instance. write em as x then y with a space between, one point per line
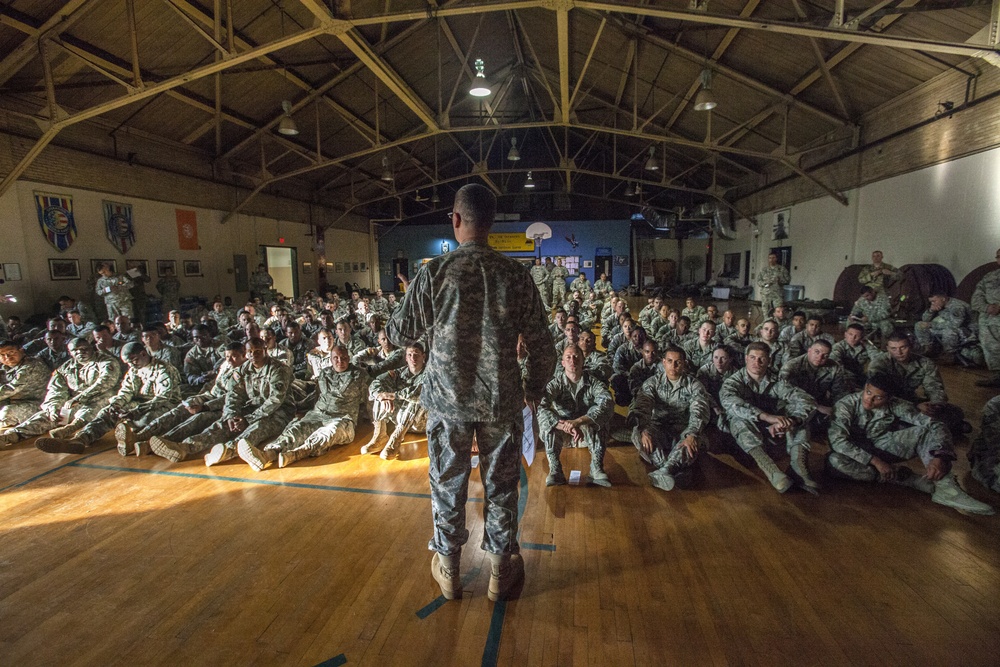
307 268
12 271
94 263
64 269
192 268
141 264
356 267
163 266
364 267
588 263
782 224
339 268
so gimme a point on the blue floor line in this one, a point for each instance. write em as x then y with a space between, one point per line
265 482
56 469
335 661
535 546
437 602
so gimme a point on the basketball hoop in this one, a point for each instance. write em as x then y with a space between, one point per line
538 231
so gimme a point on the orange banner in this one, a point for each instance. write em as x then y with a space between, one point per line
187 230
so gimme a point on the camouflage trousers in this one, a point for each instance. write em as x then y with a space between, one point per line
750 434
770 299
948 340
15 412
116 308
984 454
256 433
39 422
555 441
558 293
178 424
315 433
667 452
406 415
546 294
449 448
925 441
989 339
140 414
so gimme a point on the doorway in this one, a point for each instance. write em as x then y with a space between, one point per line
602 263
400 266
281 263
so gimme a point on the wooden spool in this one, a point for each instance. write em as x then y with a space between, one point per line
969 282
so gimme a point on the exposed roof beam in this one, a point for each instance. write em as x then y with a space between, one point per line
62 20
562 37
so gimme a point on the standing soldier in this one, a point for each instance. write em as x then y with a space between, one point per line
115 289
770 280
540 275
260 284
558 277
169 288
139 296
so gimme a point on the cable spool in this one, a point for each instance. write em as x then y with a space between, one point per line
915 286
848 289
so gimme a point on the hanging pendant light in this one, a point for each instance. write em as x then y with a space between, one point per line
652 164
479 86
287 126
628 189
386 172
529 183
705 99
435 198
513 155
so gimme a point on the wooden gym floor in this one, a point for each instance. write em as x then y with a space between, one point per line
114 561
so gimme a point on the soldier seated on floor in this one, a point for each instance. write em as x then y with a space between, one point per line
873 431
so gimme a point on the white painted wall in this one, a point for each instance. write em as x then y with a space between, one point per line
948 214
21 241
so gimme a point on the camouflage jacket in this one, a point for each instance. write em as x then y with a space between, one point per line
854 359
471 304
772 278
200 361
683 407
918 373
851 424
987 292
261 392
827 384
90 383
154 383
567 400
742 397
956 315
341 394
25 382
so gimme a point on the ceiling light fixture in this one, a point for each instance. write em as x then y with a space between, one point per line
705 99
386 172
287 126
638 190
628 189
652 164
529 183
479 85
513 155
435 198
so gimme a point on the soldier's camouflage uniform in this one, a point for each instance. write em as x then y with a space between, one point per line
827 384
879 282
802 341
53 360
22 389
712 380
988 292
406 413
670 412
597 364
89 385
169 288
260 286
878 311
473 385
580 284
262 398
779 353
984 454
300 352
770 281
557 276
744 399
543 283
697 315
332 422
949 330
168 355
626 356
117 295
178 423
565 400
698 356
376 362
201 364
854 359
919 380
145 394
640 372
603 286
895 432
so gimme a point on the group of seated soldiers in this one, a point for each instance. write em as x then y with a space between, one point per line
689 377
229 386
232 384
